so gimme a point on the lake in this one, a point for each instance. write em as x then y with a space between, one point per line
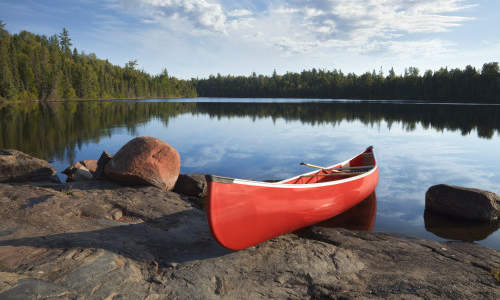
417 144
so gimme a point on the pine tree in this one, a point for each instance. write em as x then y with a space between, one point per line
65 41
7 84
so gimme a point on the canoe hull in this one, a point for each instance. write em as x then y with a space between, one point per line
244 213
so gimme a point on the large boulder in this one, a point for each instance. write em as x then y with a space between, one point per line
460 202
16 166
145 160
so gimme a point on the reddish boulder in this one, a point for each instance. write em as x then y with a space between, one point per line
145 160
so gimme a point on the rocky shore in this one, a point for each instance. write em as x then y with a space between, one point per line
101 240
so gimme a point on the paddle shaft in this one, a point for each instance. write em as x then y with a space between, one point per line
334 174
336 169
312 166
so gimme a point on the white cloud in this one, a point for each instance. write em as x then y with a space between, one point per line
313 12
362 21
239 13
298 26
201 14
314 33
431 47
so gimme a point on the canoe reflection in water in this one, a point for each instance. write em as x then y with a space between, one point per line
360 217
455 229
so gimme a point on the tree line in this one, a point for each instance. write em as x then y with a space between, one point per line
40 67
469 84
37 67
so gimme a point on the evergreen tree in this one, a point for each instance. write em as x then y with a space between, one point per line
65 41
37 67
441 85
7 84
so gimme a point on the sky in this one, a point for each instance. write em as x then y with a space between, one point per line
196 38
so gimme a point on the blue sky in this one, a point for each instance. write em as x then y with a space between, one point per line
196 38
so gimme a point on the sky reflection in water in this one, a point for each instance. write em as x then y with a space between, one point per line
411 157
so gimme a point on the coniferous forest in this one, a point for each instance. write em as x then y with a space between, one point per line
469 85
36 67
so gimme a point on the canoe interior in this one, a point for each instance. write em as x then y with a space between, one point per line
364 159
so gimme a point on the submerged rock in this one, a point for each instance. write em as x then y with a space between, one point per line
460 202
145 160
16 166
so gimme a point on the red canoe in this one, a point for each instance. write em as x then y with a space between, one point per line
242 213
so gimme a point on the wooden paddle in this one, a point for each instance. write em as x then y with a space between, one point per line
334 174
313 166
337 169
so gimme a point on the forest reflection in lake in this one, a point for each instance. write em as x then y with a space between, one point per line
417 145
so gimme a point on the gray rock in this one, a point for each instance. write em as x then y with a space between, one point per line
69 170
192 185
82 173
101 164
16 166
78 172
460 202
69 246
82 170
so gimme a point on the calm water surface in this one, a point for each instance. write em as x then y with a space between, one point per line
417 145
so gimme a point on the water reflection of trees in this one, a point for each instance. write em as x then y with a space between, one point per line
464 118
55 130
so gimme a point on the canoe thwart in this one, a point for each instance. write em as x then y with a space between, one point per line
348 174
352 168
